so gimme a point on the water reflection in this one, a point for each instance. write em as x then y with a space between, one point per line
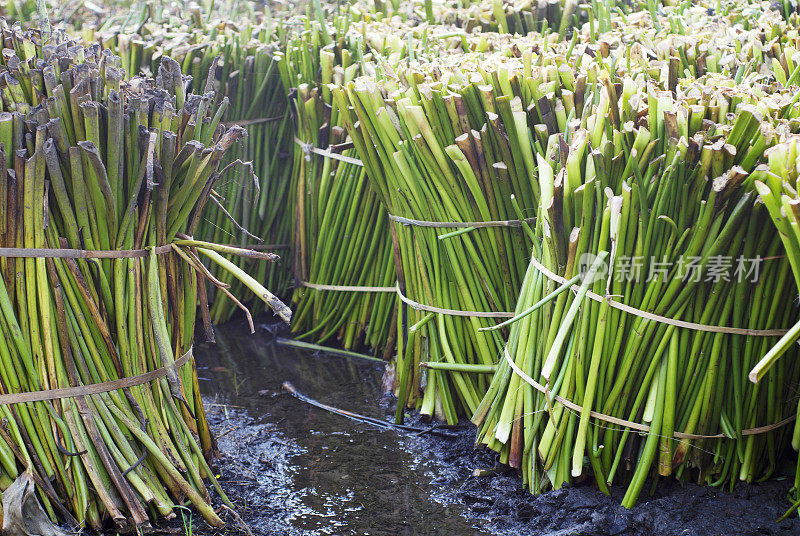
315 472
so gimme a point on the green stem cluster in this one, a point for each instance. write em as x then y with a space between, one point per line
341 234
92 161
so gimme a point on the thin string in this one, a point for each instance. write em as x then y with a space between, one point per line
441 224
94 388
452 312
613 428
246 122
309 149
345 288
66 253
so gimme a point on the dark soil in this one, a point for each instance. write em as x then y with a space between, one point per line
294 469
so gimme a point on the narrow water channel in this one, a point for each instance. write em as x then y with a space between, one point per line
316 472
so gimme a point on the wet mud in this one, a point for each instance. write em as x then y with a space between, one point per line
294 469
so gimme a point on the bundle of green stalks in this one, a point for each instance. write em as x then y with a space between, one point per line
488 16
741 41
329 226
562 18
192 37
341 235
73 15
433 157
658 187
558 17
93 162
776 182
85 19
745 43
238 62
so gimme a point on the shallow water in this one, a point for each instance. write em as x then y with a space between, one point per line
319 472
292 468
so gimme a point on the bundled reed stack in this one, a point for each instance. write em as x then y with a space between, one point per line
343 251
102 181
519 18
473 126
608 182
776 182
439 158
328 224
658 190
612 201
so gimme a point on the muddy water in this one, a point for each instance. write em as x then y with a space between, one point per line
312 471
292 468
